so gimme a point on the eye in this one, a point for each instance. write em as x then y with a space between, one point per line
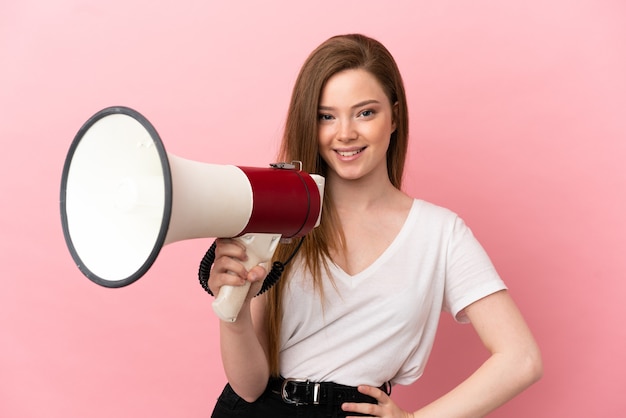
367 113
324 117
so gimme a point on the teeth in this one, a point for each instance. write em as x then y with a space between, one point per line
348 153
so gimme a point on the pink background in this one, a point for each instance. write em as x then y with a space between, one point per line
518 123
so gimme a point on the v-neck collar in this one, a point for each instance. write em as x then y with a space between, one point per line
340 274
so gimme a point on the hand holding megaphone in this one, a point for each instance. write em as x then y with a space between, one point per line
123 198
259 249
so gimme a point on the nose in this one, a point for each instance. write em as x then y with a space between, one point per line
347 131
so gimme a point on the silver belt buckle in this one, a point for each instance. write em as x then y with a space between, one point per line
287 399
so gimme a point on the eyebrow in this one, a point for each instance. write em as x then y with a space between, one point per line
360 104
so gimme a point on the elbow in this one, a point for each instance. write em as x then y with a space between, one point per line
537 372
250 399
521 368
251 396
248 393
531 369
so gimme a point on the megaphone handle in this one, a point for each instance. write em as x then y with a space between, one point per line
260 249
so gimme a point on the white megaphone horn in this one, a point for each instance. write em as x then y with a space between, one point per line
123 198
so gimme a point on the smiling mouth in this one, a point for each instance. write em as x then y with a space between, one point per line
350 153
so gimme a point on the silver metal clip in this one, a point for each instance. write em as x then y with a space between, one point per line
285 394
287 399
316 393
294 165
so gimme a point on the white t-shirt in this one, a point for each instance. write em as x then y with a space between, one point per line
379 325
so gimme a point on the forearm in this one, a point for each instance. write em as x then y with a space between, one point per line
243 357
497 381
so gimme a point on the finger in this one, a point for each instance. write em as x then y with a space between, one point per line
227 247
375 393
367 409
257 273
231 266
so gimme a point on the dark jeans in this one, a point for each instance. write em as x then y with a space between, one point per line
270 405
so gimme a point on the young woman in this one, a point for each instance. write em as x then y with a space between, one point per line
357 309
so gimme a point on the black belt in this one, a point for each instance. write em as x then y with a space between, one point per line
305 392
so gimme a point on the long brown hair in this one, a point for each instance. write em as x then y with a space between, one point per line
300 143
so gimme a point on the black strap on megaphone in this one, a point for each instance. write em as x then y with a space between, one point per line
270 280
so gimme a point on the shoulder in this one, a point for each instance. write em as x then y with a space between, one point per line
430 213
434 222
433 208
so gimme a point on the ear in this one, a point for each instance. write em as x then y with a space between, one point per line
394 117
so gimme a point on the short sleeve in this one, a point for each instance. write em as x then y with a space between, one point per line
470 274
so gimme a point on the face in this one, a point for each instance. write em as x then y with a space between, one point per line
356 121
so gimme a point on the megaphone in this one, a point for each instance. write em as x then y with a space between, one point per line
123 197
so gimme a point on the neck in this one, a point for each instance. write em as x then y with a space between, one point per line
361 194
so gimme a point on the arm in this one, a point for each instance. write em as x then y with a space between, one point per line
243 343
514 364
